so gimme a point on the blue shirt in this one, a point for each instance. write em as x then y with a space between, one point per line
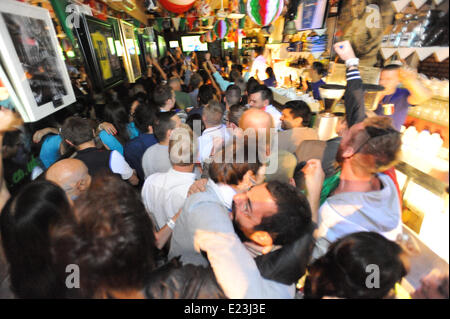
401 105
111 142
223 84
50 150
315 89
132 130
270 82
135 149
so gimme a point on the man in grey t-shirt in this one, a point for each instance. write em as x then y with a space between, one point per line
156 157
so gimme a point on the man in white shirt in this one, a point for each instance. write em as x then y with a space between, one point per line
215 134
156 157
164 194
262 98
259 65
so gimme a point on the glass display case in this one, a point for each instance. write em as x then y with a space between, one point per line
423 174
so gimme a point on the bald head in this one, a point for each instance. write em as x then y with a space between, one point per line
256 119
71 175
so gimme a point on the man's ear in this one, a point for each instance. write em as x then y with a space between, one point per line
247 179
262 238
348 152
82 185
292 182
150 129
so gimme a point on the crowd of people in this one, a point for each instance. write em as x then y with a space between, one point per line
192 184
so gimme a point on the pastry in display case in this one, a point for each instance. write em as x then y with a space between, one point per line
423 174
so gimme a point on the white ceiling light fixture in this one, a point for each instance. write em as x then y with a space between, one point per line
222 14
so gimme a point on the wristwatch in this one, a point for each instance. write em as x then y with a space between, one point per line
352 62
171 224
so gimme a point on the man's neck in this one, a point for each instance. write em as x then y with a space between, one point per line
166 108
86 145
390 92
353 180
164 142
207 126
183 169
316 79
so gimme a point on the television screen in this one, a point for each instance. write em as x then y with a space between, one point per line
228 45
173 44
192 43
311 14
162 46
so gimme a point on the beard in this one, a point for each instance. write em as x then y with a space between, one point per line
285 126
236 226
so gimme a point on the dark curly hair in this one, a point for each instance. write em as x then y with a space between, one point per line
293 217
342 272
113 242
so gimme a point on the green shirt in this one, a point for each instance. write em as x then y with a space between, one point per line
329 185
183 99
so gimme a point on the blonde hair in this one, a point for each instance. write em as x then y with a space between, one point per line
183 146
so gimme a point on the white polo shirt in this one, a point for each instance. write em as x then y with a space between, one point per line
164 194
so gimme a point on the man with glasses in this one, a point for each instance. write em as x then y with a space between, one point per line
360 197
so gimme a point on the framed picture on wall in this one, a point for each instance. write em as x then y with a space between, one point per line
32 59
153 47
146 50
8 97
130 51
101 56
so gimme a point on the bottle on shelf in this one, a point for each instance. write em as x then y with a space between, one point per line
403 30
396 29
425 26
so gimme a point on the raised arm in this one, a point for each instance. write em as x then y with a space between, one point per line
221 82
314 177
355 110
38 135
235 270
214 84
418 92
160 70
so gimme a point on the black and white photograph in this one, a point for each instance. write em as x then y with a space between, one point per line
32 58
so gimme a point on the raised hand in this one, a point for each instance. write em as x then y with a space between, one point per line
9 120
344 50
108 127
